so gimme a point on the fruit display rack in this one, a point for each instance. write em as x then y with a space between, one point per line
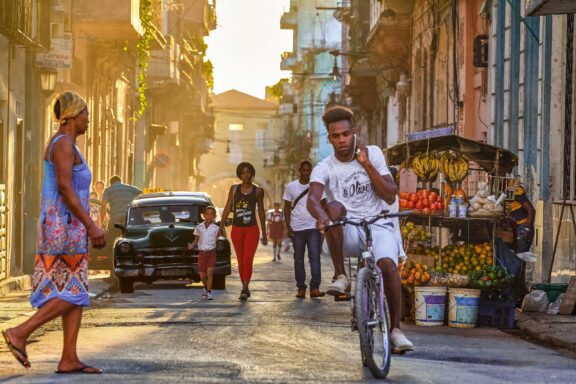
458 223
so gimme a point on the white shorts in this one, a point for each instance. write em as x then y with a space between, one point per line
385 241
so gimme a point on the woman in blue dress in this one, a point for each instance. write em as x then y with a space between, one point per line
60 281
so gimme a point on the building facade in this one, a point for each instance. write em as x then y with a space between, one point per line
104 51
245 130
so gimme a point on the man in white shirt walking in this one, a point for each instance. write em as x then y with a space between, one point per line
357 184
302 229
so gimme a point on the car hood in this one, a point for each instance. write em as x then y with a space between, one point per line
161 236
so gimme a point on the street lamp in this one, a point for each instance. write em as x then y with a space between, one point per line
48 77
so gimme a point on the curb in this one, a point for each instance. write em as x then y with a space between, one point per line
545 332
16 283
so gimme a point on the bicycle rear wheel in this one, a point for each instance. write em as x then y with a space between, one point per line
373 325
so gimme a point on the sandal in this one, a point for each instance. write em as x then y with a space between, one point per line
87 369
19 354
243 296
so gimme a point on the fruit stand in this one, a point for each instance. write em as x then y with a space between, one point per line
443 166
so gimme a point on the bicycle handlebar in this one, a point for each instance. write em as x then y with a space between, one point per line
361 222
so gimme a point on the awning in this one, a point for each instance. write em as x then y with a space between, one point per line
494 160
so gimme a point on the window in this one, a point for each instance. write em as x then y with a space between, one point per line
261 139
236 127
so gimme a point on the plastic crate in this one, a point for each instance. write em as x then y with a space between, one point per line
496 314
552 290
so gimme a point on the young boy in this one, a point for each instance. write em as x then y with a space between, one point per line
206 234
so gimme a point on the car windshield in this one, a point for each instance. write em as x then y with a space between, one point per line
164 214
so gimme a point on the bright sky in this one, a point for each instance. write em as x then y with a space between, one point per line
246 46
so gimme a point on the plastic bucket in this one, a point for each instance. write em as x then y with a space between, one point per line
463 307
430 305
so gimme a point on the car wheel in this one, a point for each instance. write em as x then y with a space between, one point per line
126 285
219 282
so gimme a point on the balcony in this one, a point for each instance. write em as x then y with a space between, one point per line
198 16
26 23
288 61
390 33
549 7
289 20
108 19
164 62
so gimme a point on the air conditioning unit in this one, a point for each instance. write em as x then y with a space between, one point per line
480 51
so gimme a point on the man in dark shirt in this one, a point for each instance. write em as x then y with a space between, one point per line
522 212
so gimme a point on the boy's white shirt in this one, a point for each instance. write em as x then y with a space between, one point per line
206 236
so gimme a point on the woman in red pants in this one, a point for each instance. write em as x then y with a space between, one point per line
242 201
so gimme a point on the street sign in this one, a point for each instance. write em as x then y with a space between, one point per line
60 54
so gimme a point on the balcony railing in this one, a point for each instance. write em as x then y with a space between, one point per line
289 20
108 19
164 62
288 61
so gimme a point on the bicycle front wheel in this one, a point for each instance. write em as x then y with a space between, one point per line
372 324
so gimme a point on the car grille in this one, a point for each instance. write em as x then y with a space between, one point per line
163 257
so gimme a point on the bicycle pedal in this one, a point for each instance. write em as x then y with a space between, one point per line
343 297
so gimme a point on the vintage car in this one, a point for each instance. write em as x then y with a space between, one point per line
154 244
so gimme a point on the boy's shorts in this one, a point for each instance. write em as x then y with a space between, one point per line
206 259
384 242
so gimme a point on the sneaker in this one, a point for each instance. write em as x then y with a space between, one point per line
301 293
340 286
204 294
400 341
243 296
209 296
317 293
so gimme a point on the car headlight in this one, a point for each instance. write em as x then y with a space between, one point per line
124 247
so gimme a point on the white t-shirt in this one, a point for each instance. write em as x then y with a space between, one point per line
350 184
300 218
208 236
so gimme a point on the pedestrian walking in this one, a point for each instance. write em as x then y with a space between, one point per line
118 196
302 229
242 201
206 234
60 281
275 229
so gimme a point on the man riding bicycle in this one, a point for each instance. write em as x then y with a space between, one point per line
357 183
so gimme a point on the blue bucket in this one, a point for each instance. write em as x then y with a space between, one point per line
463 307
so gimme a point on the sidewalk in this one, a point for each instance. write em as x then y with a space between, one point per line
15 305
553 330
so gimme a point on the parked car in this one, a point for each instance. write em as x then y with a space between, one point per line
155 237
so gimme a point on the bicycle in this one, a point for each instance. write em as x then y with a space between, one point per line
369 310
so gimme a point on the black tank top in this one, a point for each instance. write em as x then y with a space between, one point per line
244 208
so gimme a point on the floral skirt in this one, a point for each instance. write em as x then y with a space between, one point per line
60 276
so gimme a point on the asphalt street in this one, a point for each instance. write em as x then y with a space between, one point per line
166 333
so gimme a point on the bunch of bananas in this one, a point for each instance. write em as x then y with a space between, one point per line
426 165
454 167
